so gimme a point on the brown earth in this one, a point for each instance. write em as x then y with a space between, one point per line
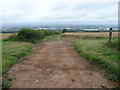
55 64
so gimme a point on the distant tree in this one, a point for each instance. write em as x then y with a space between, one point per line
64 30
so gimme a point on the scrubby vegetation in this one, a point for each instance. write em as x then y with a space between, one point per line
99 52
15 47
30 35
64 30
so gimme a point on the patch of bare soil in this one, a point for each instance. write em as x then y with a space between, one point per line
55 64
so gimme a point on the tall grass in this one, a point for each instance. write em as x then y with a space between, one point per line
114 44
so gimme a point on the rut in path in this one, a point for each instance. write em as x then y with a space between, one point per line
55 64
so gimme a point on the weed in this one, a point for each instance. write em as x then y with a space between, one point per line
5 84
9 79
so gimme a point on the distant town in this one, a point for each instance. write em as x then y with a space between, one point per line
69 28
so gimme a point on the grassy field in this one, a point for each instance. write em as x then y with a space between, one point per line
98 52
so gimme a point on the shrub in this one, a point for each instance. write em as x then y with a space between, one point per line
64 30
11 38
30 35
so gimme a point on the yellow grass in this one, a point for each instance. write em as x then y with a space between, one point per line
5 35
91 35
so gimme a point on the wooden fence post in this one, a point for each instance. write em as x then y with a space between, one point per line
110 35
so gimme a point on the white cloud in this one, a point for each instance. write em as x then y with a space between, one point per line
71 11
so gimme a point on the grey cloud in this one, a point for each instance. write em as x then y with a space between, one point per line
60 11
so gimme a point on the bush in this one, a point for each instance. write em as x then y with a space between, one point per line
30 35
11 38
64 30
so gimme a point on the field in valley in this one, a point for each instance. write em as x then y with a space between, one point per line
90 35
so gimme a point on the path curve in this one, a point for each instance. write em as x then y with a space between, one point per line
55 64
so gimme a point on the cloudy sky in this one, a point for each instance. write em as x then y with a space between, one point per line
59 11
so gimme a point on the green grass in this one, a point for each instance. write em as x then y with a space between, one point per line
0 57
98 52
50 37
0 63
12 52
14 47
114 44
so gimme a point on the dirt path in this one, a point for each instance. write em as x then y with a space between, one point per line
55 64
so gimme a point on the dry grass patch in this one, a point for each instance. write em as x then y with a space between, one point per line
90 35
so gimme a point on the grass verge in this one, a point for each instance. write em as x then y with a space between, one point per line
97 52
50 37
13 49
12 52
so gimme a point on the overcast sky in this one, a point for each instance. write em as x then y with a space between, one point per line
59 11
